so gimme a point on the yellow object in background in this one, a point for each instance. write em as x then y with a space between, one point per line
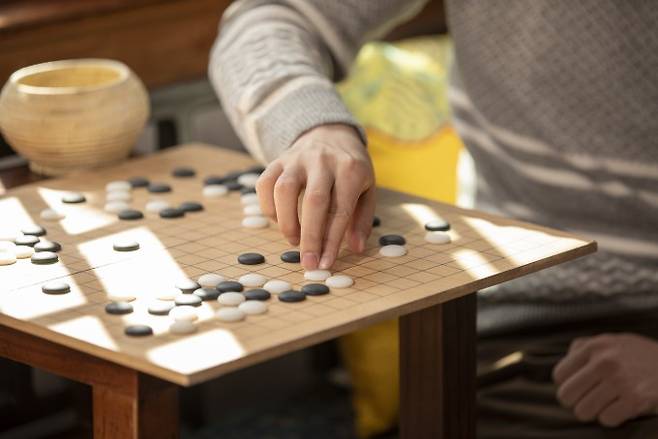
398 93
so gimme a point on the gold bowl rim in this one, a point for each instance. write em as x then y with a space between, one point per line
118 66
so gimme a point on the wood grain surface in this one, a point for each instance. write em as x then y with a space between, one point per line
485 250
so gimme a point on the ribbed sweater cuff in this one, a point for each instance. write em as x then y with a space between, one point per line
297 111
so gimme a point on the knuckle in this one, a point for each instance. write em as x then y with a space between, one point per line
341 213
316 197
607 364
285 185
265 180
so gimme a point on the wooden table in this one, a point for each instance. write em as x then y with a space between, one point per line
134 381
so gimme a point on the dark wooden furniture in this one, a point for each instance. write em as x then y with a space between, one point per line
163 41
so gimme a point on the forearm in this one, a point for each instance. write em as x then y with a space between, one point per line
273 64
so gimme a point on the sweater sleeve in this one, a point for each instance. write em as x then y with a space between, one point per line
273 63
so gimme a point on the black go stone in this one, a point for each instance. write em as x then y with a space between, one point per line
376 222
137 182
392 240
34 230
214 179
73 198
251 258
43 258
130 214
258 169
29 240
233 185
437 225
47 246
291 256
229 285
172 212
183 171
159 188
118 308
233 175
138 330
191 206
315 289
292 296
247 190
207 293
257 294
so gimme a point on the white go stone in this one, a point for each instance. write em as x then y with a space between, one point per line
121 297
125 245
248 180
118 196
7 258
7 246
169 293
51 215
277 286
249 198
317 275
182 327
252 280
339 281
255 222
116 206
23 251
215 190
230 314
252 307
185 312
393 251
119 185
437 237
155 206
252 210
210 280
231 298
9 235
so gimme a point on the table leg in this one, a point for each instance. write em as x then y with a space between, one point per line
438 370
127 404
148 408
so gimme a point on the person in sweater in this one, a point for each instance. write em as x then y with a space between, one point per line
556 101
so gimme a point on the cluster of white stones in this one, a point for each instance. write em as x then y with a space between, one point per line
118 195
253 216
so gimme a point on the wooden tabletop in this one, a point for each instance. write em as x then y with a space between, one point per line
485 250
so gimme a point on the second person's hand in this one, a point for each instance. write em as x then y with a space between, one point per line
331 167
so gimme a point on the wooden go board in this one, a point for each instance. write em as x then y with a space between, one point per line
485 250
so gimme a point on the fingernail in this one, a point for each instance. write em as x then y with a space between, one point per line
310 260
325 262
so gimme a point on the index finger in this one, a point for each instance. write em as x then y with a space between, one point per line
315 205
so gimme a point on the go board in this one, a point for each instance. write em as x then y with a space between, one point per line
485 250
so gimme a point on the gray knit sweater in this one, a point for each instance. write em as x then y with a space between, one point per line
557 101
